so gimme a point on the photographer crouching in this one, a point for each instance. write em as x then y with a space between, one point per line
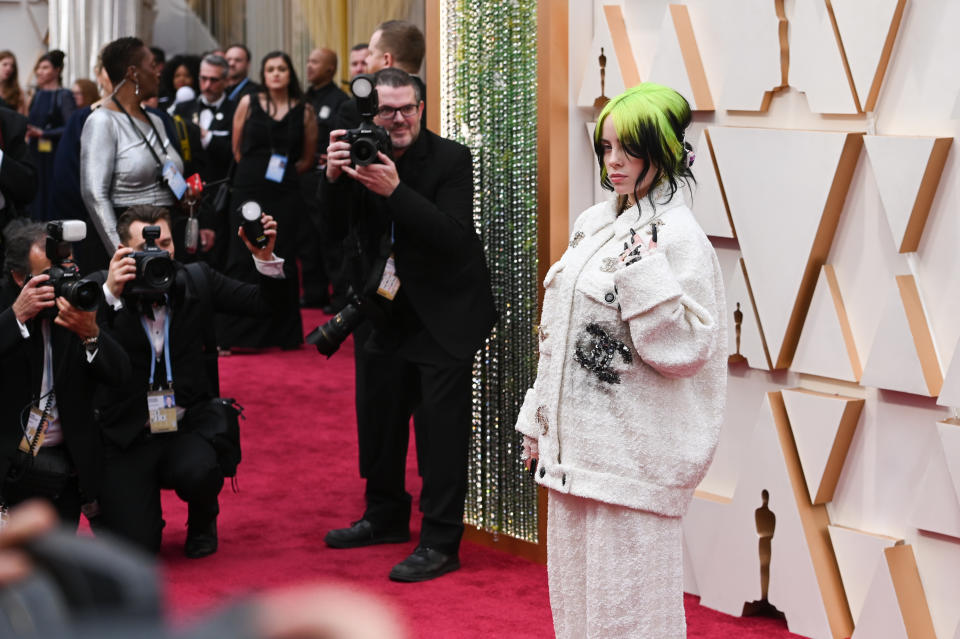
53 357
403 199
161 427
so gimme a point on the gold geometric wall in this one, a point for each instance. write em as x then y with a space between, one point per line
828 185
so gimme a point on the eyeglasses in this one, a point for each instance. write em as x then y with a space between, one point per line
388 113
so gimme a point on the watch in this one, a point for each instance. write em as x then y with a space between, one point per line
91 343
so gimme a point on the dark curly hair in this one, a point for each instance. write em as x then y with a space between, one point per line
192 62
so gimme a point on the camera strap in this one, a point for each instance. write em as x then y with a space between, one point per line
36 424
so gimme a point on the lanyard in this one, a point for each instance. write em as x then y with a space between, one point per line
236 90
140 133
166 349
47 359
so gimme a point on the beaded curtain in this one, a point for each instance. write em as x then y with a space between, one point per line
489 90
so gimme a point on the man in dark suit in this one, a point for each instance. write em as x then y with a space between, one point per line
395 44
53 356
146 450
210 117
317 256
18 175
416 212
238 57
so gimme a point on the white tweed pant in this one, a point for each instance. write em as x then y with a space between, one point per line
614 572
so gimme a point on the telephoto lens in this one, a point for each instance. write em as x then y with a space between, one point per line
250 211
328 337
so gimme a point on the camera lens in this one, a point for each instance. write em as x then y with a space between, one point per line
158 272
328 337
364 151
83 294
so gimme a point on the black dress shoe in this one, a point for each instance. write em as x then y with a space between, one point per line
424 564
201 540
363 533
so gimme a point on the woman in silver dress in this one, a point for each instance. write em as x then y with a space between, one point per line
126 157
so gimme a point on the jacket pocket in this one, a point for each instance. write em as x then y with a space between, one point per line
600 288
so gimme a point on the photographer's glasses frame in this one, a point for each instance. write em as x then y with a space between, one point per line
390 113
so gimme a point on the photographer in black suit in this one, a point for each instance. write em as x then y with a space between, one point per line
49 369
418 208
18 175
210 118
164 335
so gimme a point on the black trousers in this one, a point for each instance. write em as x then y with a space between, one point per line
35 481
313 269
390 389
133 477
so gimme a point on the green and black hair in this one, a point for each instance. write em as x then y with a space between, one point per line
650 120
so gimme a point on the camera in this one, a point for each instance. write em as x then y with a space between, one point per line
250 211
329 336
64 275
155 269
368 138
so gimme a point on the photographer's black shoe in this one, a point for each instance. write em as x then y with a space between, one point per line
201 540
363 533
424 564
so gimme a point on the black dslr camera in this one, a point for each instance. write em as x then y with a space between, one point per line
155 269
64 275
368 138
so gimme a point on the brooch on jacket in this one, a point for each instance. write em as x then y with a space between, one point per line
595 351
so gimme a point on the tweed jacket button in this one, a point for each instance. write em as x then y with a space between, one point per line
609 297
543 471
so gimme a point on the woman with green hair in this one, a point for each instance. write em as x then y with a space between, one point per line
623 419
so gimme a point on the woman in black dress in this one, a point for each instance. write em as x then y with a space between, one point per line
50 108
274 139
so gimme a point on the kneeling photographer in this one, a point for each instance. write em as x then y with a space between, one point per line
161 426
402 198
53 356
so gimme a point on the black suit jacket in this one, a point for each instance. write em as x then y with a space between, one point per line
439 259
214 161
18 175
123 409
249 87
75 381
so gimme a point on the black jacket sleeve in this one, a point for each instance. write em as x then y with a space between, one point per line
446 222
10 335
242 298
111 365
18 176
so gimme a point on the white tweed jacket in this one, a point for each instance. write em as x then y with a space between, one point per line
631 384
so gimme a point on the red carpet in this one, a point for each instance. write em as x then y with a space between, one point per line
299 478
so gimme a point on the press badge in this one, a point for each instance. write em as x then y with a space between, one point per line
44 145
276 168
174 179
162 408
389 283
34 423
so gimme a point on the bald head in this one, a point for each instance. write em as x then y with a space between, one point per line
321 66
